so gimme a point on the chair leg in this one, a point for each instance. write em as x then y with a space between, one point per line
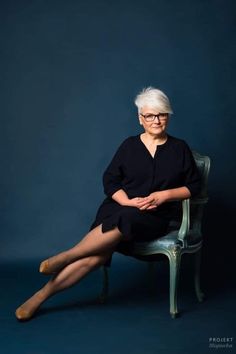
174 260
199 293
105 286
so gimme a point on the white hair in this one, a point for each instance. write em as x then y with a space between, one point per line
153 98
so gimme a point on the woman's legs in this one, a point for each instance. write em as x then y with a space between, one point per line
67 277
95 242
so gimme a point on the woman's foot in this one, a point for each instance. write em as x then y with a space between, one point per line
54 264
27 310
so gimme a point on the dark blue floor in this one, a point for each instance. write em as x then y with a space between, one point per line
134 320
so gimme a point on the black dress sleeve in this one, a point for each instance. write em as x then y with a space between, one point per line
113 175
191 174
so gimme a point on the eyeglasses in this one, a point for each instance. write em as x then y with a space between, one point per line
151 117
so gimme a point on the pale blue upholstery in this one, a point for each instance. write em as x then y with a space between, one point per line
184 237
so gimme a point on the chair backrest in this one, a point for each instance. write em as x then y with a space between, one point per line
197 203
203 165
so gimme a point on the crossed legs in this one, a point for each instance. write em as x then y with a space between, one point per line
95 242
71 266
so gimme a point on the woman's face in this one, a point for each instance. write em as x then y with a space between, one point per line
153 125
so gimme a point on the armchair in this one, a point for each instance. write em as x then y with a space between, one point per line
184 237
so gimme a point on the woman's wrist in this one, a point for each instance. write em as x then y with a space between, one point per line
175 194
166 194
121 197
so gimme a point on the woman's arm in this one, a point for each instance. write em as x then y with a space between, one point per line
174 194
121 197
113 175
153 200
157 198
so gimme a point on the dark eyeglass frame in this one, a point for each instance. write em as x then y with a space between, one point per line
151 117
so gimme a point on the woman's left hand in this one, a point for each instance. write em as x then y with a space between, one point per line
154 200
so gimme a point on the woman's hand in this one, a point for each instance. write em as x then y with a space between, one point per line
147 203
153 200
139 202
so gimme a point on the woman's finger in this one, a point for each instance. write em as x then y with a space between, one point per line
152 207
145 206
143 202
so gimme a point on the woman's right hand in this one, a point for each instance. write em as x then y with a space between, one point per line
139 202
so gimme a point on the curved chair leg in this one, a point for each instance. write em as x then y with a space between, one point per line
174 260
199 293
105 285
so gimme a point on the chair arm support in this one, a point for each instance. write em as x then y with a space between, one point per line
185 224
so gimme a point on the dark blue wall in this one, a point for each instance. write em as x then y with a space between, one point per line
69 73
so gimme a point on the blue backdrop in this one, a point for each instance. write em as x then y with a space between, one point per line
69 74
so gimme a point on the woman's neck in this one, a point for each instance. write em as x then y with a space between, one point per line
154 139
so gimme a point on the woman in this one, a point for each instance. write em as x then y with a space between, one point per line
147 172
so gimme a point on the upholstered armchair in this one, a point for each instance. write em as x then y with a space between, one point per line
182 237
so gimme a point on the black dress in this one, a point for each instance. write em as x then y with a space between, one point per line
134 170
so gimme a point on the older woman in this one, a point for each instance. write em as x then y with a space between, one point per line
147 172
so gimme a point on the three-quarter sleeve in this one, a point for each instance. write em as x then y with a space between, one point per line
191 174
113 175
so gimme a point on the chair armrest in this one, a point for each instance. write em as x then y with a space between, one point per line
185 224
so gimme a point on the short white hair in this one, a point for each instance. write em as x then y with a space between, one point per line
153 98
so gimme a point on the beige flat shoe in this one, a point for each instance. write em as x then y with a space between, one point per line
44 267
23 315
52 266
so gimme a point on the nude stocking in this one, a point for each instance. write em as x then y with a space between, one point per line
95 242
66 278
